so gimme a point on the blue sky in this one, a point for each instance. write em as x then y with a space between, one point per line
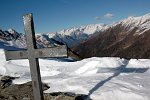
55 15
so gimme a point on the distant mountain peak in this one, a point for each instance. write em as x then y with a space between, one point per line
12 31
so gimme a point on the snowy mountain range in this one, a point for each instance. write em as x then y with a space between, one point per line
70 36
76 35
126 38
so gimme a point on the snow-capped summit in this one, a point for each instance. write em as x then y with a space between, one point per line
12 31
141 22
136 20
76 35
88 29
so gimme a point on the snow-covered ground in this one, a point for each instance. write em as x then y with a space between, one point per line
100 78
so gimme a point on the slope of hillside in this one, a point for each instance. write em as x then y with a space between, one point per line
129 38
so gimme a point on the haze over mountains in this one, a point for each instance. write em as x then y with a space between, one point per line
128 38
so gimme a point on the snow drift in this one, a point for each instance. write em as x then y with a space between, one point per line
100 78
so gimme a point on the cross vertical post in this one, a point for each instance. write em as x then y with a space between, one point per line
33 61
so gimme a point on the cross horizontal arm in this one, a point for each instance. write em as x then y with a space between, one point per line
13 55
51 52
38 53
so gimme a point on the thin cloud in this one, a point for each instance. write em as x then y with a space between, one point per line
98 18
109 15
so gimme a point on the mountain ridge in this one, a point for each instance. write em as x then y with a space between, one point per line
69 37
128 38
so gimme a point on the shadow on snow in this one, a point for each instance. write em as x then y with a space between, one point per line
117 72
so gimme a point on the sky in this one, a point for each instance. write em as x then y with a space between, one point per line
55 15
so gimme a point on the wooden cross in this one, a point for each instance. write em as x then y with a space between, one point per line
32 54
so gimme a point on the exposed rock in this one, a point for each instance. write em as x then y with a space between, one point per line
9 91
6 81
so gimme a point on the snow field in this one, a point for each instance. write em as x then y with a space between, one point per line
100 78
